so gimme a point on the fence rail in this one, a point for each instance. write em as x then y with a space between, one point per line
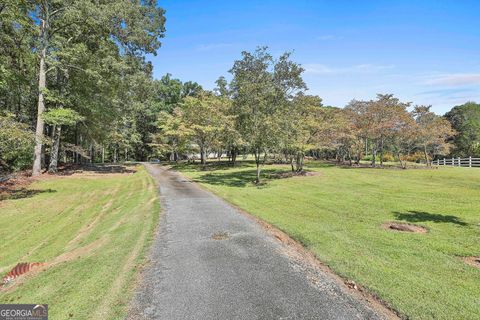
458 162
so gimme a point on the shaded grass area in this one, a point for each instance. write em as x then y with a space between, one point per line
92 230
338 215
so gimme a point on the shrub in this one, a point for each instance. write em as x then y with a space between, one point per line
16 144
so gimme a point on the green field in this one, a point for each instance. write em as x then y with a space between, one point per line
92 230
338 214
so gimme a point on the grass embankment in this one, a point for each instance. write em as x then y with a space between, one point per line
92 230
338 214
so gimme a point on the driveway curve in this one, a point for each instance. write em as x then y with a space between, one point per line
209 261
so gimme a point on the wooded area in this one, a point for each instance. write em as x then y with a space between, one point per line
75 86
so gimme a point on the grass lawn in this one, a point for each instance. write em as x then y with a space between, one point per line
338 214
92 230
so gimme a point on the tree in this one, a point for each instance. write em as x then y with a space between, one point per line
58 118
301 125
432 133
16 141
174 136
17 60
70 30
403 140
465 120
204 116
222 87
261 88
377 120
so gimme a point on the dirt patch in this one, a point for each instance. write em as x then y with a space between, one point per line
472 261
19 269
404 227
290 174
39 267
15 186
220 236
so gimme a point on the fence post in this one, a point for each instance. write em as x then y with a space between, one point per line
453 162
459 162
470 161
444 162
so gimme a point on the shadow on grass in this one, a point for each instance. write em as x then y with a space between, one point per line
210 166
422 216
67 170
241 178
22 193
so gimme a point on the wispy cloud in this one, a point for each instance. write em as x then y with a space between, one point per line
213 46
315 68
446 92
455 79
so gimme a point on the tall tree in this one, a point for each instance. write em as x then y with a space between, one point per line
78 28
261 88
377 120
432 133
204 115
465 119
58 118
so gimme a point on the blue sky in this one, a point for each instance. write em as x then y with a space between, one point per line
426 52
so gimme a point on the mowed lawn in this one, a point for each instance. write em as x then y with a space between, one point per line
338 214
92 230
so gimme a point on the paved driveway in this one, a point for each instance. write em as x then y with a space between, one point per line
211 262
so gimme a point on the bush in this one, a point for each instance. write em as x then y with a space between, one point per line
388 157
416 157
16 144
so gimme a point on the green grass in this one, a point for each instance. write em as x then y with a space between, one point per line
338 214
93 230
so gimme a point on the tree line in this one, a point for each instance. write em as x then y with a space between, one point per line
265 110
75 87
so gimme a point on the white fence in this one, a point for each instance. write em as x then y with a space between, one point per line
458 162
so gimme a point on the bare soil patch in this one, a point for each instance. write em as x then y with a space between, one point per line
290 174
20 272
472 261
404 227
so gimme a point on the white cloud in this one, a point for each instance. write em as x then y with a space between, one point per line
316 68
455 79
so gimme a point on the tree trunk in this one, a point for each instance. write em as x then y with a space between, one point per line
299 162
374 156
257 162
114 155
234 156
203 155
42 84
381 153
103 154
52 168
427 159
403 164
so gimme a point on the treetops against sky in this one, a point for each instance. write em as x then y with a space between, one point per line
77 73
421 51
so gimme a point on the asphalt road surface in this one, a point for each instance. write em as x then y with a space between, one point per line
209 261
